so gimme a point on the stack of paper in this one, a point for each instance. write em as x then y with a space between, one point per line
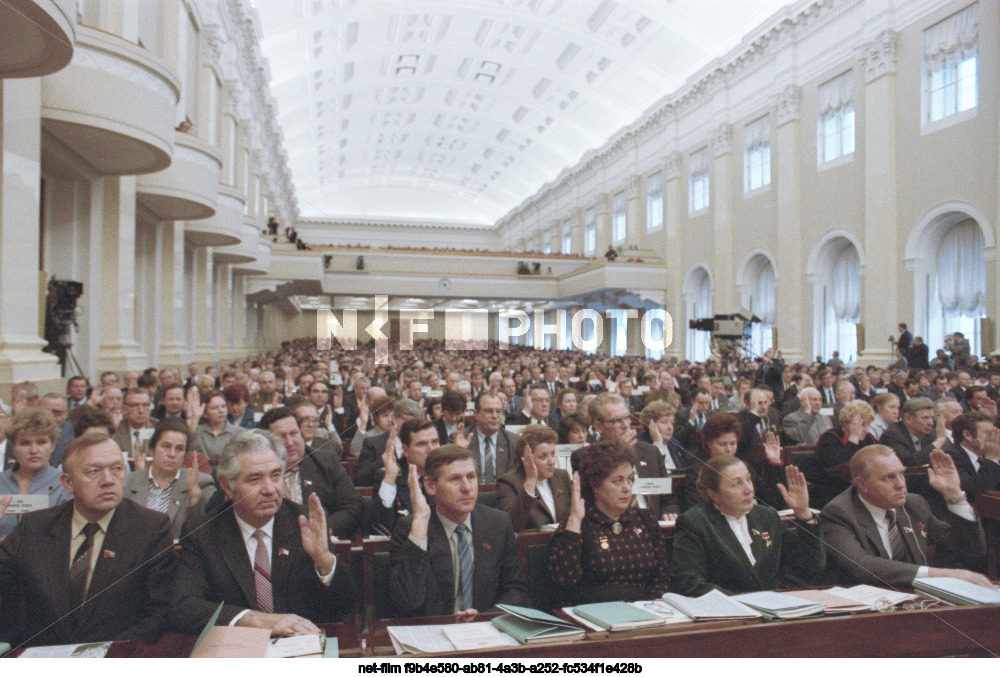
875 598
775 606
617 616
529 626
957 591
457 636
712 606
835 604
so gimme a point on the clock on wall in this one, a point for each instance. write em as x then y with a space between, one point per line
444 284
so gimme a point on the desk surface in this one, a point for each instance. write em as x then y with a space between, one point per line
928 632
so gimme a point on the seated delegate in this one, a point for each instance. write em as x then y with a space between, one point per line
733 544
607 550
536 492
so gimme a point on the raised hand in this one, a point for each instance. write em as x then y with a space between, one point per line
796 495
190 479
577 508
988 407
389 461
4 502
96 395
855 429
772 448
943 475
654 433
139 461
530 471
418 504
460 438
314 537
991 444
194 409
363 414
628 437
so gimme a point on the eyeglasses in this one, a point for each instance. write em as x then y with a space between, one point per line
623 421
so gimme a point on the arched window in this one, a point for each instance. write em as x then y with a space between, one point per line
757 296
961 281
699 306
842 305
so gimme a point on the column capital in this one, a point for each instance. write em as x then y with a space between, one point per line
722 140
672 166
633 187
880 55
787 105
212 42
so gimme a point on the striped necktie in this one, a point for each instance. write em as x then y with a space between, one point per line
464 567
489 471
899 552
262 575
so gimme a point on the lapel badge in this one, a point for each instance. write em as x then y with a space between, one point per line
177 502
637 530
920 528
282 552
766 536
308 483
486 547
604 543
616 528
109 554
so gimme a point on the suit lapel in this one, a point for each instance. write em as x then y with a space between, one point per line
439 553
728 540
108 568
282 545
480 567
758 544
867 523
58 576
234 553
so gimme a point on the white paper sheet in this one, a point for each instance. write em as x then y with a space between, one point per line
93 650
25 503
300 645
477 636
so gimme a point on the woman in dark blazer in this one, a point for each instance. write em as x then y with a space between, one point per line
735 545
535 492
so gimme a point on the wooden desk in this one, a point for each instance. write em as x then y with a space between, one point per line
988 508
934 632
174 645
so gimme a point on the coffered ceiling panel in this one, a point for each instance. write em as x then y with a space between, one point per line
458 111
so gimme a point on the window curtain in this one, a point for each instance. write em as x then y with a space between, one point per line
954 39
846 286
961 270
835 94
758 133
698 163
763 299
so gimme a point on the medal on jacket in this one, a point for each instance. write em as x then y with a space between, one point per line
617 528
604 543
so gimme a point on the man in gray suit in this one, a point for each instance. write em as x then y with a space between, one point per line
912 438
879 534
488 442
806 424
129 435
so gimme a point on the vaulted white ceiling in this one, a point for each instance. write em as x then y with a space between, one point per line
456 111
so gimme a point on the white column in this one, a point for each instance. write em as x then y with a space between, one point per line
602 215
224 311
119 351
635 211
22 312
724 268
173 350
790 298
204 313
241 343
880 310
673 193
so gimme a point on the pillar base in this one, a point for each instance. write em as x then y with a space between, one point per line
120 357
879 357
793 356
205 353
174 356
22 359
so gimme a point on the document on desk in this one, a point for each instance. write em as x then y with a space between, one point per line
223 641
874 597
93 650
957 591
477 636
419 639
295 647
712 606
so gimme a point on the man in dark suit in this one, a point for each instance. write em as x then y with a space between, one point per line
689 421
97 568
437 566
370 459
919 357
452 412
976 452
541 406
905 339
308 473
130 436
612 421
491 447
265 559
755 424
912 438
879 534
391 494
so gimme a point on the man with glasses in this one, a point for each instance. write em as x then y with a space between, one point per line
492 448
611 420
130 435
540 408
91 570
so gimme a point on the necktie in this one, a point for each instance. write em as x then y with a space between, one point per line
464 567
79 570
700 421
899 553
135 445
489 473
262 575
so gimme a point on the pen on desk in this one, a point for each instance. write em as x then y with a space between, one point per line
275 640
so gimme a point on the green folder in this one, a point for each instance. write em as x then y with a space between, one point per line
617 615
208 626
530 626
4 648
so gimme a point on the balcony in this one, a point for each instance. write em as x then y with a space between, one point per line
222 229
36 37
187 189
113 105
262 264
246 250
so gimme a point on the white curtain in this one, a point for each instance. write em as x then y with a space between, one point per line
836 93
698 163
758 133
846 286
763 299
654 185
954 39
961 271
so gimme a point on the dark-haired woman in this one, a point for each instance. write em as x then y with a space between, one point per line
606 550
